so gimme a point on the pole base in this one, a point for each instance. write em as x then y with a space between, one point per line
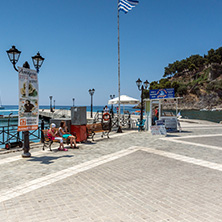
119 130
26 155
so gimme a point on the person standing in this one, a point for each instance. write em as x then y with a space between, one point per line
106 109
156 115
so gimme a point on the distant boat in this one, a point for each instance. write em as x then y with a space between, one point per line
203 109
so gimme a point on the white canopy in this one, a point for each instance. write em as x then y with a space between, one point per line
124 100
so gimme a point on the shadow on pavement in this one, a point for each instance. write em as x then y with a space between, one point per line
48 159
171 134
89 142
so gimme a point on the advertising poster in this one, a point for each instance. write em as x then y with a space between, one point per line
28 115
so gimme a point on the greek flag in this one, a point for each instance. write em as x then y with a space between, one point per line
127 5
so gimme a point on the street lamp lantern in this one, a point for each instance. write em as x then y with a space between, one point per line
146 84
37 61
91 91
141 88
13 55
138 83
73 102
112 96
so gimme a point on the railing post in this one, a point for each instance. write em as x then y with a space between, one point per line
102 117
18 136
3 134
129 122
42 128
110 123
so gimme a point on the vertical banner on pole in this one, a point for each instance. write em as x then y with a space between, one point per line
28 117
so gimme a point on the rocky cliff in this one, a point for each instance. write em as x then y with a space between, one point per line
200 89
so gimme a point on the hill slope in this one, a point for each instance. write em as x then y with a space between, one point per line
199 89
198 79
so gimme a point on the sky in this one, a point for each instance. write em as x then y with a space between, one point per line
78 39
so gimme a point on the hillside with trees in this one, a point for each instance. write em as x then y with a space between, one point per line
198 79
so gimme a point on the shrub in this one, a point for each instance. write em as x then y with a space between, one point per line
182 90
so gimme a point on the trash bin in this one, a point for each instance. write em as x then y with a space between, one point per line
78 123
80 132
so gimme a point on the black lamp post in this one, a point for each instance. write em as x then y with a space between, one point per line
50 98
112 97
37 60
73 102
54 103
141 88
91 92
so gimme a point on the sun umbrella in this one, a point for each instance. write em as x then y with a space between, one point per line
123 100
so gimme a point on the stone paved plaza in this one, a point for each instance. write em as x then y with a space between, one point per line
130 177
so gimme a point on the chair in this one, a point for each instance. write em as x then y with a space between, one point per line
141 124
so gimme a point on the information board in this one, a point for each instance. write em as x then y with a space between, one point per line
162 93
170 123
158 130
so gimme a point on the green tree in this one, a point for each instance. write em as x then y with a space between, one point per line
175 85
214 56
182 90
154 85
146 94
192 67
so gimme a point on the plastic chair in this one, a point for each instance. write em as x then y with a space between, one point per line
141 124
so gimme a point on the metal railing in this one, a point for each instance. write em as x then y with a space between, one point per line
9 134
125 119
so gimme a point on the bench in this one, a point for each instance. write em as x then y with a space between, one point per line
48 142
94 128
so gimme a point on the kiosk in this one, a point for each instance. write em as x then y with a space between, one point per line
162 109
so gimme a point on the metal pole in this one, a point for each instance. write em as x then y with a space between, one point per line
141 111
42 128
26 146
50 103
119 128
91 105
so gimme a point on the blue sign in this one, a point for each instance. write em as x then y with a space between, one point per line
161 93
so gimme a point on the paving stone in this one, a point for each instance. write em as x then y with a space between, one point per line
138 186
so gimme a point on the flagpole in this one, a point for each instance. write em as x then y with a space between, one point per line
119 128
